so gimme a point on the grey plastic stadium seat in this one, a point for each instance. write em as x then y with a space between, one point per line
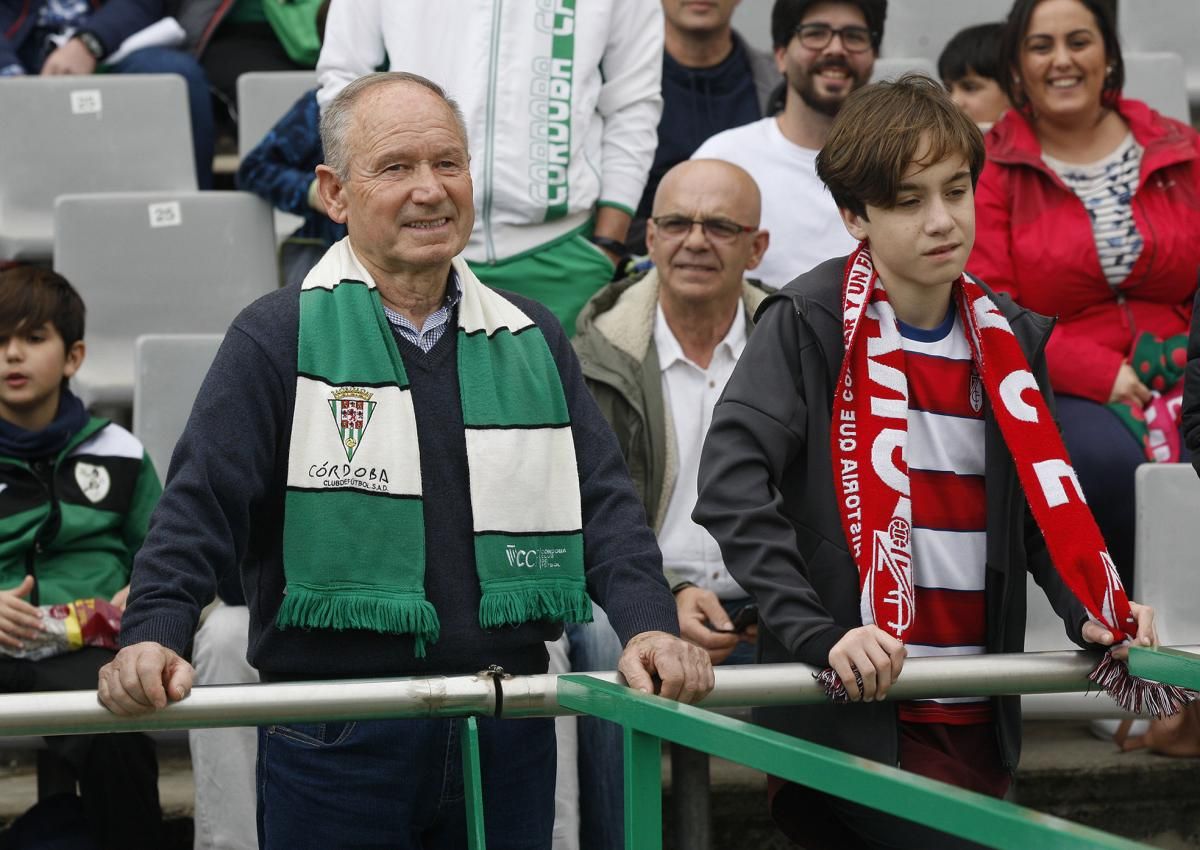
921 28
889 68
918 28
158 263
1167 547
1164 25
263 98
102 133
1158 79
169 369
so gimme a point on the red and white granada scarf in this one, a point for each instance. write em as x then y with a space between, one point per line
869 436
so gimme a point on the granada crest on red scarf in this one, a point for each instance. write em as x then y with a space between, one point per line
868 442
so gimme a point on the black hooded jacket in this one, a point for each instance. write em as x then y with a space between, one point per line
766 493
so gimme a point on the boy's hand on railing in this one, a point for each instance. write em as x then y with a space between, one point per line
683 669
1096 632
144 678
867 660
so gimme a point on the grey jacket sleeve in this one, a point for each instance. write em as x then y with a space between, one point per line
758 435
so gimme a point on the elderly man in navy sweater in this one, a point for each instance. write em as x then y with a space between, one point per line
414 480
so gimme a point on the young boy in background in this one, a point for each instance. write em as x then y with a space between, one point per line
970 67
76 493
880 464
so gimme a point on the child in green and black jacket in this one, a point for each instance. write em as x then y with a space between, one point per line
76 493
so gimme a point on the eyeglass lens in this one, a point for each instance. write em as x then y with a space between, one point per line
818 36
714 228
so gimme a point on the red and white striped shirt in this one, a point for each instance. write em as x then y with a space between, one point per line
945 457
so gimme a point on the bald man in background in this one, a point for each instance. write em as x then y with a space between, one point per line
656 353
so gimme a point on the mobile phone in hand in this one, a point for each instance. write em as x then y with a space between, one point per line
743 618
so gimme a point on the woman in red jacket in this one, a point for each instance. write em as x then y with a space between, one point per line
1089 209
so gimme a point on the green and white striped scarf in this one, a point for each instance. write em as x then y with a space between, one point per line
354 531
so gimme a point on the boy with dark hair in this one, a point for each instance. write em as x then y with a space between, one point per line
970 70
867 471
76 493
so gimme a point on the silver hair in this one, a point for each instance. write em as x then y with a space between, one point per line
339 114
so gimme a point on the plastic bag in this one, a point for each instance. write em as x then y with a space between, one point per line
84 622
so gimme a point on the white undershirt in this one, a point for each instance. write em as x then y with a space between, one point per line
690 393
1106 188
797 209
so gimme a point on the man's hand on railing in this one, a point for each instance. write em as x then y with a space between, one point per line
1096 632
683 669
144 678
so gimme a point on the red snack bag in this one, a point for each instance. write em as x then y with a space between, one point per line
84 622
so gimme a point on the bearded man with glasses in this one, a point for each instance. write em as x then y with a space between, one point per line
825 50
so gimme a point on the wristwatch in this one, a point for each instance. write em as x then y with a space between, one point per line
622 266
92 43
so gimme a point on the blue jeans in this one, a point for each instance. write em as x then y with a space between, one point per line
164 60
398 784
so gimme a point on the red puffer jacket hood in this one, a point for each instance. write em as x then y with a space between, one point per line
1034 240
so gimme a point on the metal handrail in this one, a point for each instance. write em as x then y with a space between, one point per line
73 712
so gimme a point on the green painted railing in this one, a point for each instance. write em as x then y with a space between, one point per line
649 720
1164 664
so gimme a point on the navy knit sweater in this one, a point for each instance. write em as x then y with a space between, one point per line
224 500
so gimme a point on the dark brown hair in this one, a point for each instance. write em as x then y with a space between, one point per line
881 129
30 296
786 15
1015 30
972 50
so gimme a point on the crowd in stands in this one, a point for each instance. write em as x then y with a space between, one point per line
650 187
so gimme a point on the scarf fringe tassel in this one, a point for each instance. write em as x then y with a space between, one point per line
500 608
309 609
1130 692
1138 695
832 683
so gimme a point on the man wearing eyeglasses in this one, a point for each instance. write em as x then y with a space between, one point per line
825 50
656 352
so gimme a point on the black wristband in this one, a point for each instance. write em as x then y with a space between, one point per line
92 43
612 245
623 264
